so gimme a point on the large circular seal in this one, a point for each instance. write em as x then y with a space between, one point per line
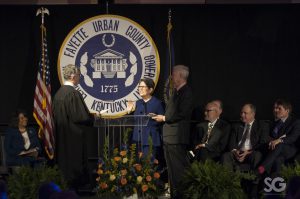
113 54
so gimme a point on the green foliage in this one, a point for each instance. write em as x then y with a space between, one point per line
105 148
125 135
290 171
25 181
150 152
212 180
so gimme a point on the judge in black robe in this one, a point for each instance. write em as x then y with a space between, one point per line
70 113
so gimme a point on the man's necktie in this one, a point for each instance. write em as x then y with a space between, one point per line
175 94
207 136
245 136
277 128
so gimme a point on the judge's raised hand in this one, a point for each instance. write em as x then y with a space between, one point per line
130 106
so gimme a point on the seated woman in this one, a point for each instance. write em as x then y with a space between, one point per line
21 143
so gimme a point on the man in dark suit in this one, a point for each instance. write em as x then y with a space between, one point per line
176 127
284 134
211 135
246 140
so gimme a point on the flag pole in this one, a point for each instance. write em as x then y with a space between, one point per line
168 86
107 4
42 110
169 28
43 11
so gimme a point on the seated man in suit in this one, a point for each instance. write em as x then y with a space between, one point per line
246 139
213 133
284 134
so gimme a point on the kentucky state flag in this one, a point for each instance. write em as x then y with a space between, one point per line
170 59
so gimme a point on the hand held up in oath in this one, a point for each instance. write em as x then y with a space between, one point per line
130 105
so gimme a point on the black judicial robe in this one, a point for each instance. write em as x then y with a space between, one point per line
70 113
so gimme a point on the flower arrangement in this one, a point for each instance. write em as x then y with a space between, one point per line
127 172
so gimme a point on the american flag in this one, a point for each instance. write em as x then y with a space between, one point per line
42 105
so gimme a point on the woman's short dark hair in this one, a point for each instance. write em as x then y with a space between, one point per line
14 121
149 82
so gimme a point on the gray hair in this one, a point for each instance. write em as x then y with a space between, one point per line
251 106
183 70
219 103
69 71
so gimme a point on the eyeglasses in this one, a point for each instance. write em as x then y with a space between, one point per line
140 87
209 110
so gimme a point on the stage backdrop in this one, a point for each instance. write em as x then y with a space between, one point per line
236 53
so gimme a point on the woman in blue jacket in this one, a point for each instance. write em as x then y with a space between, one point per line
145 106
21 143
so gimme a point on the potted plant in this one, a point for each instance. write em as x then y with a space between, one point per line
212 180
290 171
291 174
25 181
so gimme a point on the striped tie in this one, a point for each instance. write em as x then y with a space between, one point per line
210 127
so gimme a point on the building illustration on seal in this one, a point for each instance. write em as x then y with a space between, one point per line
109 63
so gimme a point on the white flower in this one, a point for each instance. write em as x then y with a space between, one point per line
139 179
112 177
125 160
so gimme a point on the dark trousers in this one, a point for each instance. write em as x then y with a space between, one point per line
277 157
253 159
177 161
203 154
